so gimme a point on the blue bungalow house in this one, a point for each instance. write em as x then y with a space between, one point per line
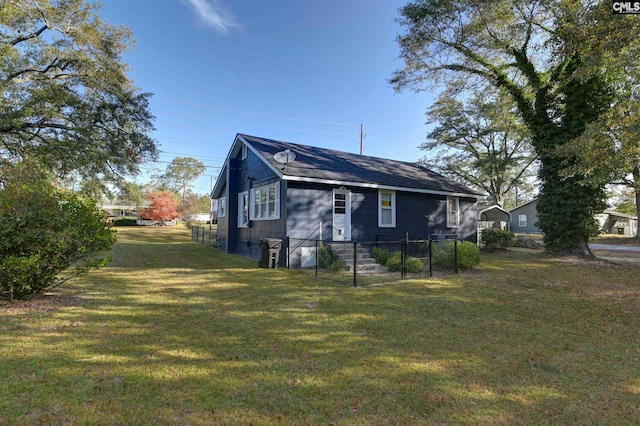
274 189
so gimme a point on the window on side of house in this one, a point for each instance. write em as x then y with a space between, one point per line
453 212
386 209
265 202
244 152
222 207
522 220
243 209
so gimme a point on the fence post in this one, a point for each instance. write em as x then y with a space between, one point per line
288 252
355 262
430 259
403 253
455 252
316 258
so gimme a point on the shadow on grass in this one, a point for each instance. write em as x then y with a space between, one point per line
190 340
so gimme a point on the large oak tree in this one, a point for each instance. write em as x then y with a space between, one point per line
67 101
480 141
68 107
557 59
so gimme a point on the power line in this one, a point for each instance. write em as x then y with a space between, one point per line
257 114
209 157
296 129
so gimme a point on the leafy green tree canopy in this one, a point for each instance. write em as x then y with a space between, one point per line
559 60
66 98
194 204
131 193
180 173
480 141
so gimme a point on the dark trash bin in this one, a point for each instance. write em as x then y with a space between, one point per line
270 252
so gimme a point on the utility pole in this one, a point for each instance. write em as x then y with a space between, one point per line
211 208
362 135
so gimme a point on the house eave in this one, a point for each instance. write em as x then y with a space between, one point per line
376 186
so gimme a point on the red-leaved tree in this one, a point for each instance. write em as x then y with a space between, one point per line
164 206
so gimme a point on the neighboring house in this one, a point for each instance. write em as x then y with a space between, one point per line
494 217
198 217
273 189
613 222
116 208
524 218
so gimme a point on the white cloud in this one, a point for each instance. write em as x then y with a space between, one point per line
211 15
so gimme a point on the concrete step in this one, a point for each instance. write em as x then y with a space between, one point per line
364 261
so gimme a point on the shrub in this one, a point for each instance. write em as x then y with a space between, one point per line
327 260
394 262
444 256
496 239
380 255
124 222
411 264
49 235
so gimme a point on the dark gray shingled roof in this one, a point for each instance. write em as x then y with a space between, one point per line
320 164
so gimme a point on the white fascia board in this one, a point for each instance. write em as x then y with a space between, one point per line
495 207
261 157
235 148
377 186
222 179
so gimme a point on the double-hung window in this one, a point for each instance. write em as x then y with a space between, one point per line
243 210
222 207
386 209
453 212
265 202
522 220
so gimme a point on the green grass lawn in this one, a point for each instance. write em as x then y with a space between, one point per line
173 332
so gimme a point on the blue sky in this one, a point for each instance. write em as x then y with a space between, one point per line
301 71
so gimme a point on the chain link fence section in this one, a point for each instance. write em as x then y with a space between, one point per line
350 262
365 264
342 262
204 235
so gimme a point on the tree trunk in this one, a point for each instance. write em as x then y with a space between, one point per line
583 250
636 189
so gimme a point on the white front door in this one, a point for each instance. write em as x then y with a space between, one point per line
341 215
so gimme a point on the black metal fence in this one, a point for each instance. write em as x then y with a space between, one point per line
351 262
369 263
204 235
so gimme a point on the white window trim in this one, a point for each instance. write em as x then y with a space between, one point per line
264 210
243 205
522 220
244 152
222 207
393 209
457 212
